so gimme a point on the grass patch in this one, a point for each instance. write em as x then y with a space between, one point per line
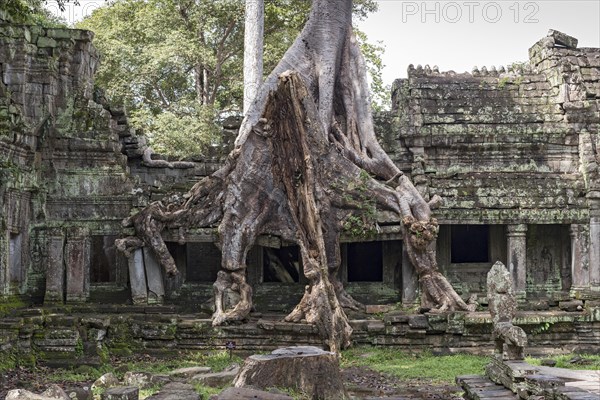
147 392
437 369
587 362
79 374
206 391
216 360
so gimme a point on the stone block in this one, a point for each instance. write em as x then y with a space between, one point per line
395 318
418 322
571 305
121 393
79 393
22 394
106 381
189 372
140 379
217 379
44 41
562 39
55 392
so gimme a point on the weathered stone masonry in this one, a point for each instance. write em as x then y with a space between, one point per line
513 152
65 185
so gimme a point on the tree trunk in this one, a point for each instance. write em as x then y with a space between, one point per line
307 369
253 50
306 159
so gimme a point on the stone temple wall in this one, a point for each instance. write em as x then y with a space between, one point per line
513 153
65 182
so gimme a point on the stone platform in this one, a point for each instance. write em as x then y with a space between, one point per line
518 379
86 333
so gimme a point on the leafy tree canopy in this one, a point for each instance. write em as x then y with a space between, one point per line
176 65
30 12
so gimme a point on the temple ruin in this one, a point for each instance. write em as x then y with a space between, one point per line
513 152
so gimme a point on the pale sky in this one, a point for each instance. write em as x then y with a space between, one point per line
457 35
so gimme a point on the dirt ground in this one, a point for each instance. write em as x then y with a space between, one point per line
361 383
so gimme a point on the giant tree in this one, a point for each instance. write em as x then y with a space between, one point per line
177 64
304 161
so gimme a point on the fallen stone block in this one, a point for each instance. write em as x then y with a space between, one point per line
121 393
79 392
106 381
55 392
189 372
176 391
140 379
22 394
217 379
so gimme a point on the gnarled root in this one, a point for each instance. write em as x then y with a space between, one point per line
235 281
345 300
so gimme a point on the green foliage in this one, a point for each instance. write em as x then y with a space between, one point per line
437 369
217 361
8 361
176 65
541 328
584 361
206 391
180 134
380 93
30 12
149 391
363 223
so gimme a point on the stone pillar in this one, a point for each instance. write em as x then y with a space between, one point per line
410 281
156 289
517 257
137 278
4 257
77 262
55 269
580 274
15 265
595 253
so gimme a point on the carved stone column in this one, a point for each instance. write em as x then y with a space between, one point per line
410 281
156 290
77 262
55 268
595 252
580 274
137 278
517 256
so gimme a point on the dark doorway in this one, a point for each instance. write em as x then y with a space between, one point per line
103 267
365 262
470 244
203 262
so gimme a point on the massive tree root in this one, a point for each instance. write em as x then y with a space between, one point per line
305 159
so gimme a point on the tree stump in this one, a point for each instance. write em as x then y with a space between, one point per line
307 369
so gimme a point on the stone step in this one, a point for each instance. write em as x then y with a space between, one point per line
478 387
